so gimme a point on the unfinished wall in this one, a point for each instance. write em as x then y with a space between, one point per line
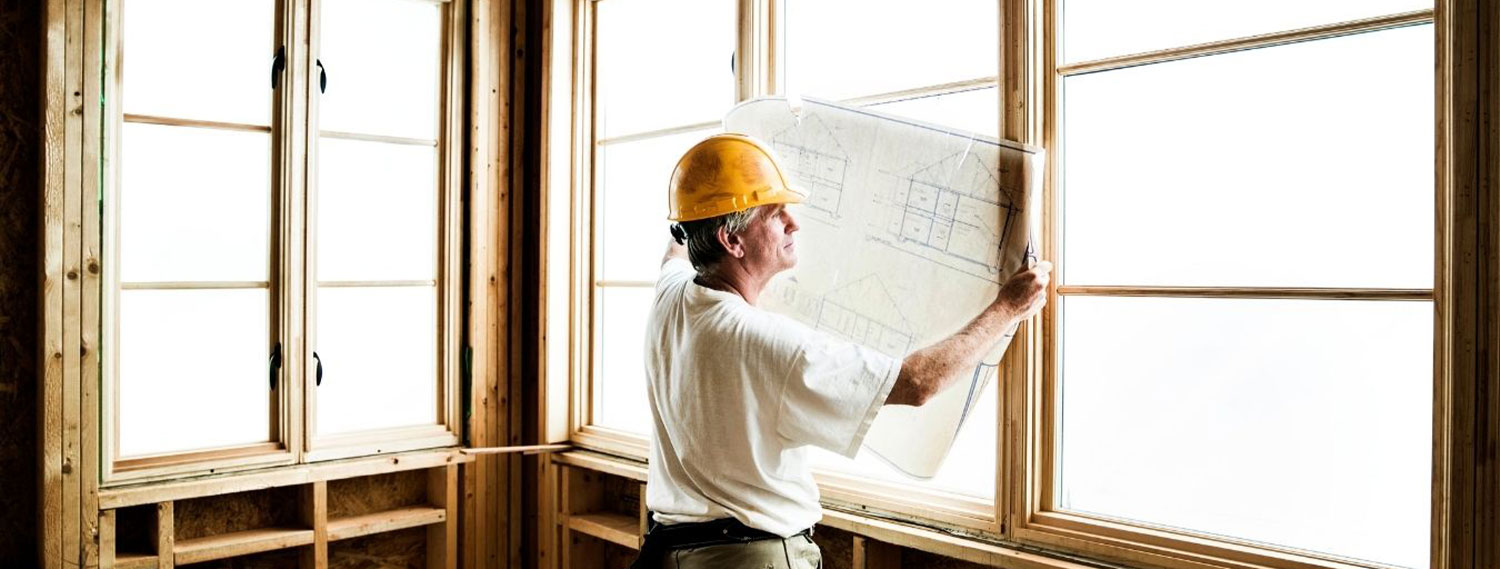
20 90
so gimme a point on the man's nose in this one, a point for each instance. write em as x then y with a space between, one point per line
791 222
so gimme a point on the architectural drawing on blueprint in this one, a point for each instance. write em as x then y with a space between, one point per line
914 228
947 212
864 311
817 162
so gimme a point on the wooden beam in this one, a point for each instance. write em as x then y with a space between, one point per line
239 543
397 519
314 514
164 535
288 476
49 381
442 538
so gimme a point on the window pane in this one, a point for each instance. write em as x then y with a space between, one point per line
1255 168
193 370
379 353
382 61
1264 420
201 60
194 204
663 63
1097 29
620 395
635 176
975 111
377 211
969 469
837 49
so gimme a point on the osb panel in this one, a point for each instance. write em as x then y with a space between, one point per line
280 559
20 193
837 546
369 494
215 515
914 558
405 549
622 495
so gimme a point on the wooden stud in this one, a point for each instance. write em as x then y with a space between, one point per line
164 535
314 514
50 391
88 274
107 539
442 538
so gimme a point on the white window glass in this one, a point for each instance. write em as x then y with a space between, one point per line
662 63
620 386
634 181
1097 29
194 204
191 59
969 469
194 371
382 60
975 111
377 211
1298 423
1308 165
838 49
378 347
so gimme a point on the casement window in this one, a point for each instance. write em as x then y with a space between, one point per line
1236 367
641 97
1238 364
280 232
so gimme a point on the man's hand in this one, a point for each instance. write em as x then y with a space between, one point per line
930 370
1025 293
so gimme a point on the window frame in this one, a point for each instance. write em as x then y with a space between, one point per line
1035 520
292 150
1028 80
761 34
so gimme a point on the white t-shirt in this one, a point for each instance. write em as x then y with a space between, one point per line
737 393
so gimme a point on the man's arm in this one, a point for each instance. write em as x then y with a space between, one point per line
926 372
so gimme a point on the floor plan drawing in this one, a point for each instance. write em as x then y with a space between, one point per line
913 228
817 163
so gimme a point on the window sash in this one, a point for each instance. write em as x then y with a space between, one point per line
1036 520
292 439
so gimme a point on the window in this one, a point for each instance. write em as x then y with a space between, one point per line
1239 358
1240 210
652 100
280 232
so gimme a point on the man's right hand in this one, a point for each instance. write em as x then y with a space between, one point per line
1026 292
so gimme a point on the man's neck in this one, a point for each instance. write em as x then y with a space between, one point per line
731 277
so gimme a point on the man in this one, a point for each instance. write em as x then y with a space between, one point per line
738 393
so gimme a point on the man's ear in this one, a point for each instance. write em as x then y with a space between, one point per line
730 242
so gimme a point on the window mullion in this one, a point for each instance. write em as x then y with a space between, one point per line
289 244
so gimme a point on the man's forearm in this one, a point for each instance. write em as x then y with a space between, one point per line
930 370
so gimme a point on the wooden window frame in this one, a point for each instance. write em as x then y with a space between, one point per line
1034 520
293 139
760 34
1028 80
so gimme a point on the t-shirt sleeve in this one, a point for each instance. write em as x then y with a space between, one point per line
832 392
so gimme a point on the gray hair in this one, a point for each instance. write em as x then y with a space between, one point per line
703 246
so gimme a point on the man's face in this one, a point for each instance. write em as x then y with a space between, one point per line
769 248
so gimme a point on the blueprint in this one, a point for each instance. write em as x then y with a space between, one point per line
907 233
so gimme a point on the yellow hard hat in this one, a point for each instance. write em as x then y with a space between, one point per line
726 173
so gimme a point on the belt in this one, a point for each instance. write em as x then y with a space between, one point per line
661 538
